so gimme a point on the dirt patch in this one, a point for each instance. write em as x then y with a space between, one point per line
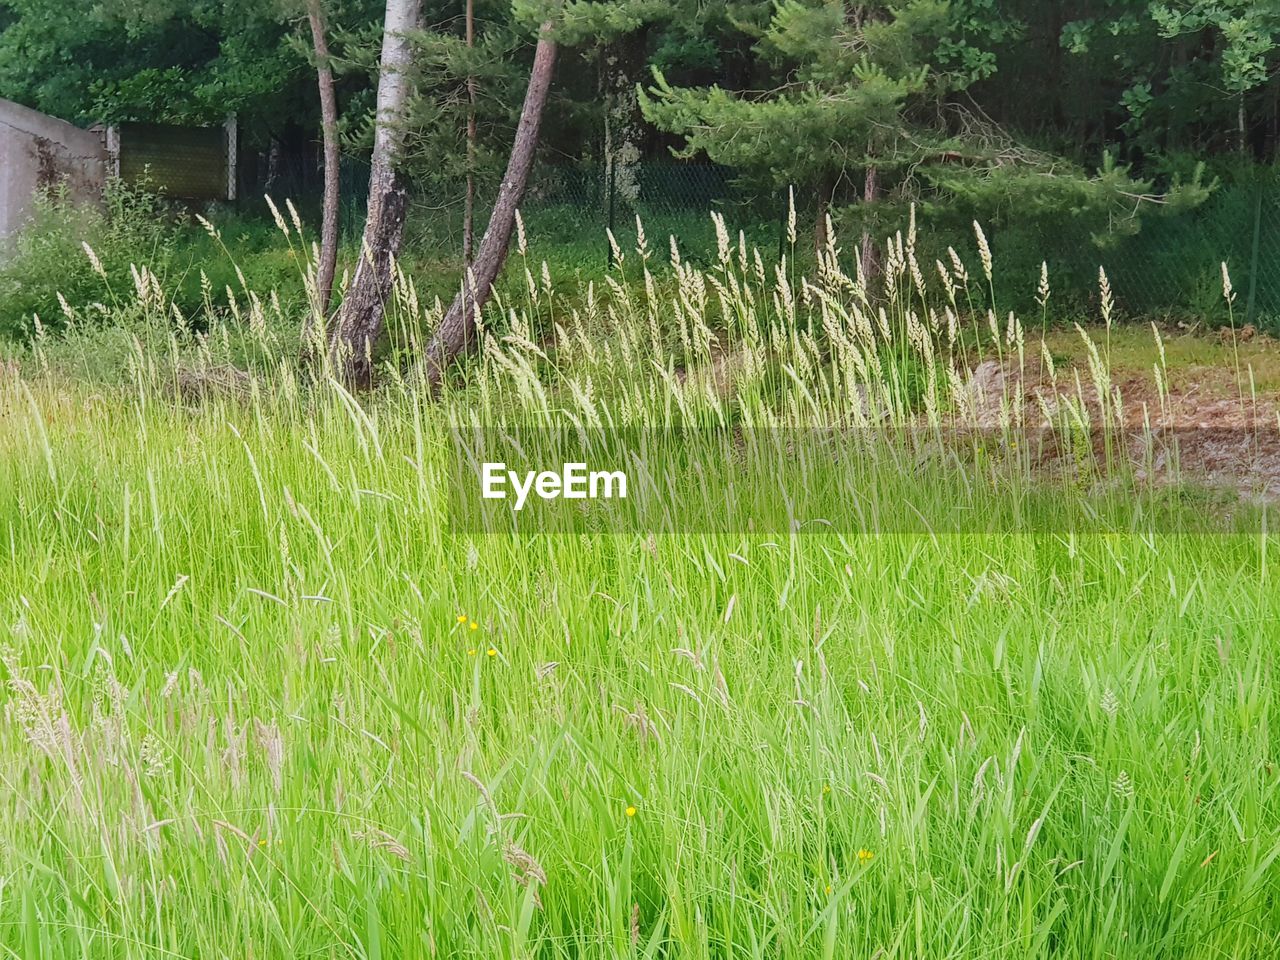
1193 424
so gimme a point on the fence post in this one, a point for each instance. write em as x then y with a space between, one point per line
231 130
1253 258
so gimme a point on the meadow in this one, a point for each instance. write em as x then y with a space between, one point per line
266 694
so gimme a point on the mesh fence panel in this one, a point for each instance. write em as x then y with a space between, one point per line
1175 263
1172 267
185 163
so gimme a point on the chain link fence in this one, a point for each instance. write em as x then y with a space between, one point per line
1174 265
572 205
1170 268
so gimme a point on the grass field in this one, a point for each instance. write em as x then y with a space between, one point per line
264 699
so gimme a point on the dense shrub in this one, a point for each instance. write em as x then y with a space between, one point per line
134 228
49 258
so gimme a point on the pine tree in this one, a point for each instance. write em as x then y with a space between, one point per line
868 102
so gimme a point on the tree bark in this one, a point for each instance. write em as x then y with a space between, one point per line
469 208
457 328
363 314
273 166
826 188
1241 125
328 265
870 259
624 129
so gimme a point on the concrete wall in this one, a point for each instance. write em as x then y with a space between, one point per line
38 152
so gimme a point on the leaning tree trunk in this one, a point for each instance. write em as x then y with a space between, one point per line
361 320
328 265
457 328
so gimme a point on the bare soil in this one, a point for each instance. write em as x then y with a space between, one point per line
1216 423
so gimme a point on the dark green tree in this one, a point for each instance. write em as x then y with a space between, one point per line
872 102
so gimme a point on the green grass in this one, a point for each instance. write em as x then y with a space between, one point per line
246 704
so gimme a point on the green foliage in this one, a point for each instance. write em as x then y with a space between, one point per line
845 89
190 63
1199 74
783 140
1106 204
1246 29
864 89
50 264
581 22
436 148
1142 79
49 259
1045 119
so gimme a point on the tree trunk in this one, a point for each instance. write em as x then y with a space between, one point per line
469 208
328 264
870 260
624 128
457 328
361 320
1241 125
273 166
826 187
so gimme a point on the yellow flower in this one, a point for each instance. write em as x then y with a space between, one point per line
492 652
474 625
631 811
864 856
826 788
471 652
828 888
462 618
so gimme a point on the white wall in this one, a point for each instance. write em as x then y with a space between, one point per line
38 152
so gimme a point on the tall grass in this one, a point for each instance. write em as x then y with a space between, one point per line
263 697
